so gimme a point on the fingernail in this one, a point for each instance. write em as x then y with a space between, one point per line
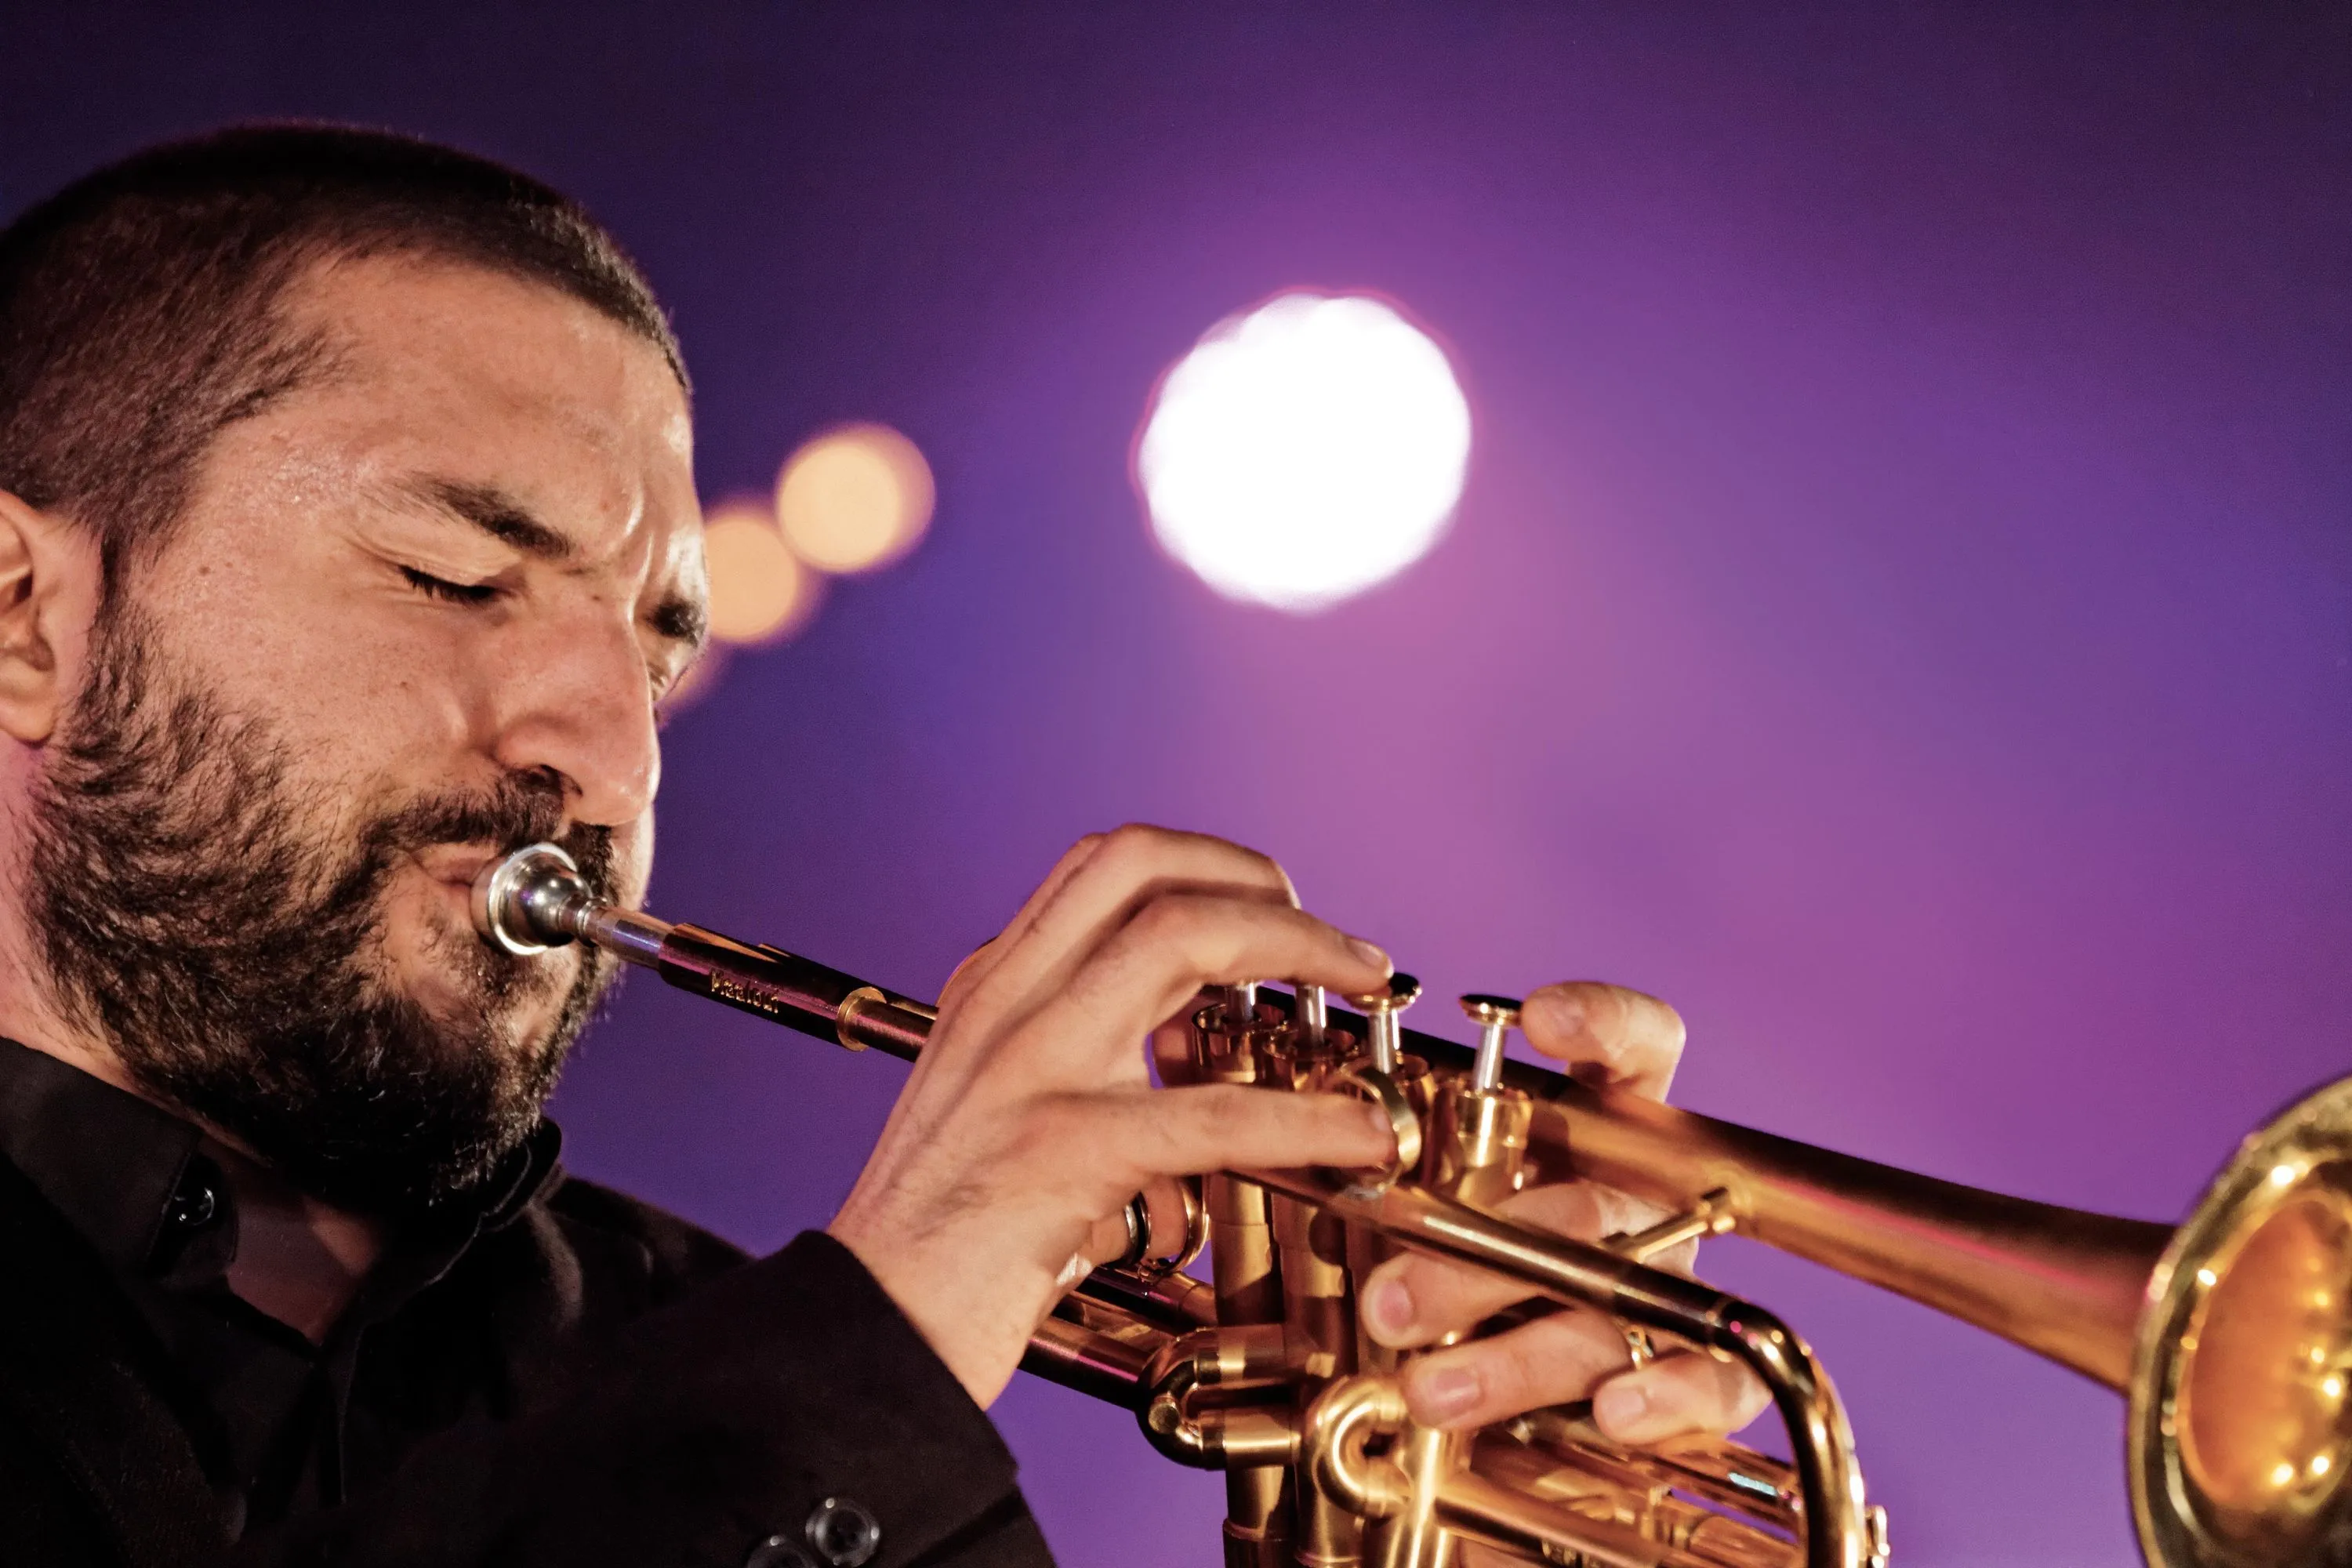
1447 1394
1620 1407
1371 953
1383 1125
1388 1310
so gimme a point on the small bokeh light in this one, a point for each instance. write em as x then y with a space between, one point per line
1304 451
758 591
853 499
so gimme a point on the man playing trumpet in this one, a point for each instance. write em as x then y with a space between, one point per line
349 539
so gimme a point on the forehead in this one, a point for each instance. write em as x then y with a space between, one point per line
403 315
482 378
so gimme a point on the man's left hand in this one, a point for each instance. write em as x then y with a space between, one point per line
1611 1037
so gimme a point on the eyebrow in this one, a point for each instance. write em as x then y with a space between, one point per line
500 516
678 617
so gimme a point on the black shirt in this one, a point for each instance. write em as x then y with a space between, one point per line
515 1380
271 1415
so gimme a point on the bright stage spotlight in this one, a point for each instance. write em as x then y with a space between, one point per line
1304 451
853 499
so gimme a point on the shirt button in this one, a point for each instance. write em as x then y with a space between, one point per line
843 1532
777 1552
193 1204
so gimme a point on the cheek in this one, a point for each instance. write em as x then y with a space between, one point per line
347 679
426 951
632 860
369 733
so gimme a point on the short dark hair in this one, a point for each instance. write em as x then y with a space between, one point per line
140 307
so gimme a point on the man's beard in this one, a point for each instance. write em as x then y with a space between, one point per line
235 966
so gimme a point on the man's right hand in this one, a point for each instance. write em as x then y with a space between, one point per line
1030 1119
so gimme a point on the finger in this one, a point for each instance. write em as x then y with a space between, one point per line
1606 1034
1551 1360
1412 1299
1189 1131
1680 1392
1155 963
1125 870
1165 1230
968 973
1171 1049
1170 1206
1107 1240
975 968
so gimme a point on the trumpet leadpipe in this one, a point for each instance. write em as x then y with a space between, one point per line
536 898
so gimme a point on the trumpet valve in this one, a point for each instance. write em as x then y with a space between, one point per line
1386 1032
1478 1152
1235 1037
1314 1014
1308 1049
1496 1018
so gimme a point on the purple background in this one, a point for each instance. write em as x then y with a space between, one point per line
1899 613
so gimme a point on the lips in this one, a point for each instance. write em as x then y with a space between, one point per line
456 864
454 867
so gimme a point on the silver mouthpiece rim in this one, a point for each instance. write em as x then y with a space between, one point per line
532 900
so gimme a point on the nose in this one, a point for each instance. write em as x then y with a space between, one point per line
578 703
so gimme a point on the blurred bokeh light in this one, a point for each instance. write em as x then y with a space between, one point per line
758 591
853 499
1304 451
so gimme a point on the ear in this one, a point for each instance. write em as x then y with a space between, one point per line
48 595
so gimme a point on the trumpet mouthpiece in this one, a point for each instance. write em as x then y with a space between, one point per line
533 899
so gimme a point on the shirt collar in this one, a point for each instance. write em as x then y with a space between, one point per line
124 1173
106 1160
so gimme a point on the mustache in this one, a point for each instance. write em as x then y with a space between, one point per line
521 809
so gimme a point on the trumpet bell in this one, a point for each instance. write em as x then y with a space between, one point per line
2240 1423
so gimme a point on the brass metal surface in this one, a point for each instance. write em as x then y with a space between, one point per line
2239 1424
2063 1283
2230 1335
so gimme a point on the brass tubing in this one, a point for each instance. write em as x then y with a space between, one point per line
798 993
1820 1446
1706 1539
2062 1282
1230 1437
1172 1301
1507 1508
1472 1154
1079 1358
1469 1502
1232 1040
1415 1536
1319 1320
1248 1291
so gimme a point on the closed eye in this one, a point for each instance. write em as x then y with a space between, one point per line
454 593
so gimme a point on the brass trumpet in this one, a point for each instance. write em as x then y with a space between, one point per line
2229 1335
